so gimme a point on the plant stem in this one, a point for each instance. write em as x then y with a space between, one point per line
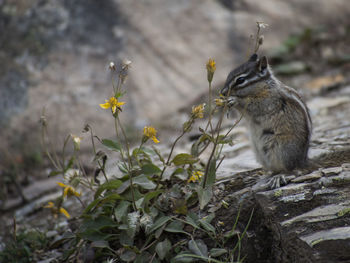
129 160
210 112
168 160
126 142
218 126
94 149
81 202
46 150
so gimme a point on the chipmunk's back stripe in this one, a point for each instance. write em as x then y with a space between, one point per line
291 93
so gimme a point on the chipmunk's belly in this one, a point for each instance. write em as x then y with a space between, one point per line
267 150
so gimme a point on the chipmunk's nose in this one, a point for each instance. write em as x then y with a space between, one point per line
224 90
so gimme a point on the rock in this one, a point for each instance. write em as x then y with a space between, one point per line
309 177
306 220
63 62
332 171
31 193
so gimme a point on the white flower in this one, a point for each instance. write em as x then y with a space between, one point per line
112 66
262 25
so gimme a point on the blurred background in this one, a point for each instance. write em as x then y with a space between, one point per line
55 54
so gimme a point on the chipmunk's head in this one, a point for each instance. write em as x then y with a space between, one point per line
243 80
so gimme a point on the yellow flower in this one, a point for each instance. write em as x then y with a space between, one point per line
211 67
68 190
221 223
49 205
150 132
197 111
64 211
219 102
112 103
55 210
195 176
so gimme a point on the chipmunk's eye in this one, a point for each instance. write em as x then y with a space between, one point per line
240 80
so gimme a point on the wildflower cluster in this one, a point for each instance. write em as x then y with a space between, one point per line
134 210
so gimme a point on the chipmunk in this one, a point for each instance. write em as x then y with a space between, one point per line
278 119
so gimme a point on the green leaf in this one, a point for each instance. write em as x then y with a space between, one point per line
159 222
192 219
139 203
121 210
70 164
122 167
209 218
198 247
183 257
100 244
211 174
53 173
150 169
199 145
207 226
159 154
180 173
109 185
148 150
188 257
64 239
204 196
112 145
141 180
223 140
217 252
128 256
162 248
144 257
99 201
125 240
144 182
94 235
149 196
91 206
184 158
175 227
180 206
97 223
159 232
100 155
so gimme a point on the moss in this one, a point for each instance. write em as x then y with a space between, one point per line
278 193
344 212
315 242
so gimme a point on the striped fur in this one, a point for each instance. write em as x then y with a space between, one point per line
279 121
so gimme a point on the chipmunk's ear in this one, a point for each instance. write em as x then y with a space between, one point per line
253 58
262 65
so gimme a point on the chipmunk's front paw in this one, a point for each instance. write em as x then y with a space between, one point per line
231 101
277 181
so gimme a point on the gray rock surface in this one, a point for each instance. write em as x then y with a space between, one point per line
308 219
57 53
